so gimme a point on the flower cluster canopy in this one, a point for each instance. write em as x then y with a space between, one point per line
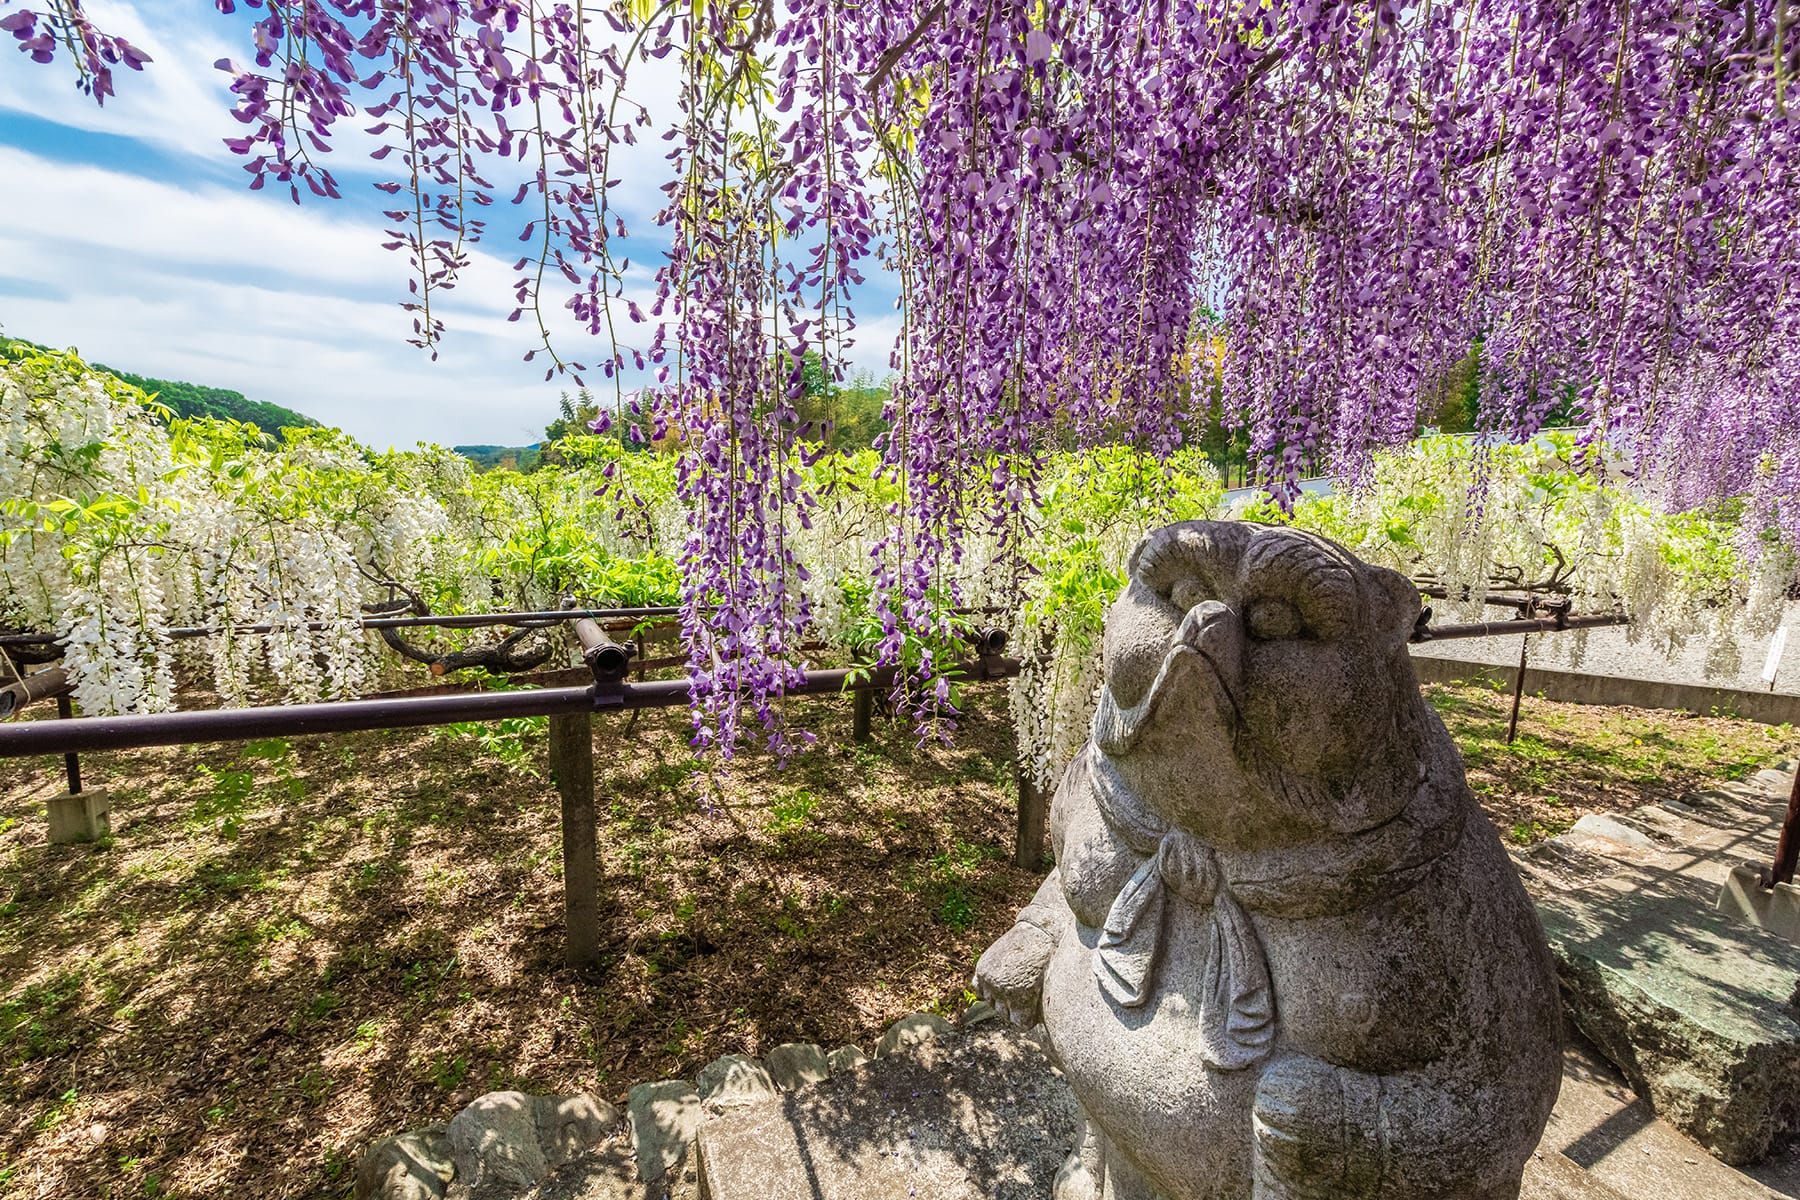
1111 221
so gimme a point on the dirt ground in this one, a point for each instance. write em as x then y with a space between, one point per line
290 948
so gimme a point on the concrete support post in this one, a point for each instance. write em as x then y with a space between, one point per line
80 816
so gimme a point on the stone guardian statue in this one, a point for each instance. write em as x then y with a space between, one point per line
1283 955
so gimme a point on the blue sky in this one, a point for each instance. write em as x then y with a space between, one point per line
130 235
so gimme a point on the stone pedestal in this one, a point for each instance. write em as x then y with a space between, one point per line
1776 910
80 816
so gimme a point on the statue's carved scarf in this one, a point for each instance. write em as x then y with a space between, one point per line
1237 1010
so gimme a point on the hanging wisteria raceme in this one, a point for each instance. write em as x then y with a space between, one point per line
64 28
769 222
1111 223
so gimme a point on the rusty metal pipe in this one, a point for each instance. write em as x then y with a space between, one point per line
40 685
1444 633
85 734
989 641
607 659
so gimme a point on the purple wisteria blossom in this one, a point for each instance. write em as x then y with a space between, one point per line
1107 219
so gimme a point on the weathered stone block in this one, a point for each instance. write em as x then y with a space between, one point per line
83 816
977 1117
731 1080
1607 827
798 1064
912 1031
845 1058
1693 1006
665 1118
505 1142
408 1166
976 1013
1775 780
570 1126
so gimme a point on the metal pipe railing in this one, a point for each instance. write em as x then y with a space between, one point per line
611 616
40 685
86 734
446 621
1444 633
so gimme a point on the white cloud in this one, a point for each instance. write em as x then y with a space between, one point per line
169 281
178 102
296 305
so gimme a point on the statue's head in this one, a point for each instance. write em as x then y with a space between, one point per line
1258 687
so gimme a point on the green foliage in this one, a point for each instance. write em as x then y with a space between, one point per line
29 1025
223 797
1096 505
846 416
574 417
789 814
516 741
500 458
195 401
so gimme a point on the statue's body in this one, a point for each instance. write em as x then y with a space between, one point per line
1283 954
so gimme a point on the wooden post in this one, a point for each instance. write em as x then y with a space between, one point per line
65 710
572 767
1028 850
1512 726
1787 849
860 714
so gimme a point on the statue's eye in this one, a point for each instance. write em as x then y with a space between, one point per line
1188 592
1269 620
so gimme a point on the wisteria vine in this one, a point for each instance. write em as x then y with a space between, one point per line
1113 223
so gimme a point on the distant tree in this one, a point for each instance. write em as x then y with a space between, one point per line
575 416
1453 404
845 416
194 400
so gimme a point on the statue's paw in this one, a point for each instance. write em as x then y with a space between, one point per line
1010 973
1317 1130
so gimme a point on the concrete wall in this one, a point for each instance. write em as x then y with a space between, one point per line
1612 652
1773 708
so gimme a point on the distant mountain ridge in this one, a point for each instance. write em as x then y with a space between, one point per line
198 400
486 458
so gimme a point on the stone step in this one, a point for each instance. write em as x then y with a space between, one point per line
1550 1176
1695 1005
981 1116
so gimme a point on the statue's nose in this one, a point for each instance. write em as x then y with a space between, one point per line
1212 627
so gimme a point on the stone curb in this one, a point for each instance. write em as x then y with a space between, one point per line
511 1146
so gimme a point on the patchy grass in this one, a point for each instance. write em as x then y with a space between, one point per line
292 947
1572 759
289 948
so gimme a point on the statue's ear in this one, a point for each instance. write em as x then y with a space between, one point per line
1394 604
1137 552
